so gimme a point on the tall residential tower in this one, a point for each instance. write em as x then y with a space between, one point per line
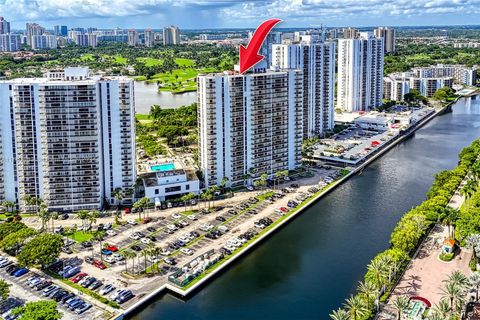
360 73
249 124
67 138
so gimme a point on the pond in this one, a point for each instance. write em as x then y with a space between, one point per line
146 95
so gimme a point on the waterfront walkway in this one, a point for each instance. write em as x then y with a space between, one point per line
426 272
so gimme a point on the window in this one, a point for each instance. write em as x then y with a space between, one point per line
172 189
187 187
157 191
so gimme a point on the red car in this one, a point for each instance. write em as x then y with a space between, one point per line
147 220
111 248
284 209
99 264
127 210
79 277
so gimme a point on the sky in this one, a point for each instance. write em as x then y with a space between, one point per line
189 14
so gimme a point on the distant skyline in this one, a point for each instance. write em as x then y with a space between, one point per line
188 14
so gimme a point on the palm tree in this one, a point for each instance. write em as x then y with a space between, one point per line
54 216
83 215
145 253
8 205
473 242
224 182
377 268
468 190
339 314
156 253
442 309
278 176
263 180
453 292
368 291
132 255
401 304
213 189
44 215
475 283
93 216
450 217
118 195
355 307
246 177
458 278
98 236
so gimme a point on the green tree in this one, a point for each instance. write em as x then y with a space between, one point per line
13 242
42 250
8 205
38 310
10 227
141 205
401 304
339 314
474 282
355 307
4 289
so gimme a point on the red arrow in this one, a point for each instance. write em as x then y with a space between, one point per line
249 56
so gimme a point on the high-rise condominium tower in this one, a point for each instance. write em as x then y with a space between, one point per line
33 29
388 35
317 60
68 138
4 26
149 37
249 124
360 73
171 35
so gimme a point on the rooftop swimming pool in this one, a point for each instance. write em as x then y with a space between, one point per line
163 167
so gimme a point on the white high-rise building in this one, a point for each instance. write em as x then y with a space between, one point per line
249 124
10 42
132 37
171 35
360 73
317 60
149 37
33 29
4 26
43 41
68 138
388 35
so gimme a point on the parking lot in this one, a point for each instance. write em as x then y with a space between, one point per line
21 291
174 238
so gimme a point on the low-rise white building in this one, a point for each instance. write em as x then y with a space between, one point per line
162 185
376 121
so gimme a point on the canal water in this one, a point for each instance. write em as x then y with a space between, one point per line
146 95
310 266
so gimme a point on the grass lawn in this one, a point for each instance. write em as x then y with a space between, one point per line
150 62
86 57
81 236
182 62
180 80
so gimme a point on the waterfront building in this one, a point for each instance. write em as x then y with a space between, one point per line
33 29
317 60
350 33
461 74
171 35
10 42
149 37
266 49
249 124
68 138
396 85
388 35
4 26
132 37
360 73
44 41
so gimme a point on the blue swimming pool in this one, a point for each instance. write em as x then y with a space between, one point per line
163 167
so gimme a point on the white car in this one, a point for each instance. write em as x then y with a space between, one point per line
145 240
111 233
109 259
223 229
250 188
152 259
184 223
187 251
165 252
118 257
171 227
107 289
176 215
134 236
132 222
184 239
192 217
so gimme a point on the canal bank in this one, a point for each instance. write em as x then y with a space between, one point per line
297 268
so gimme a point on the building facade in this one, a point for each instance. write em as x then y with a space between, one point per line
460 73
67 138
360 73
10 42
44 41
396 85
388 35
33 29
132 37
171 35
149 36
249 124
4 26
317 60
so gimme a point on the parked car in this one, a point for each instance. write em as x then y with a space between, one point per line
99 264
151 229
106 252
187 251
112 248
78 277
136 248
20 272
107 289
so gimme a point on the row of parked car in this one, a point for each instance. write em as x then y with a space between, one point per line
83 279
